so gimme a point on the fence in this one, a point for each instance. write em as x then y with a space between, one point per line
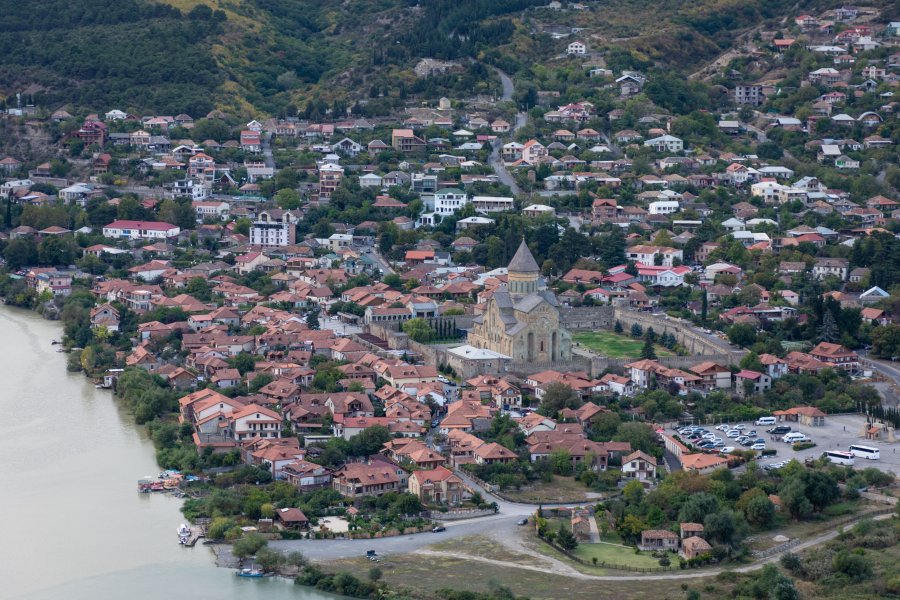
606 565
776 549
453 515
797 541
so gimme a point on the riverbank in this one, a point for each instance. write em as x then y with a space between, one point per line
71 457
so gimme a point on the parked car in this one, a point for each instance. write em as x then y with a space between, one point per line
758 446
727 450
779 430
438 529
522 522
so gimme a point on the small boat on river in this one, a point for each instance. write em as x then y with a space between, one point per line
251 572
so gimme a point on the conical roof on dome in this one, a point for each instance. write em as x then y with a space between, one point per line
523 261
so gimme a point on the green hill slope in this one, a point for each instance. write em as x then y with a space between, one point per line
275 56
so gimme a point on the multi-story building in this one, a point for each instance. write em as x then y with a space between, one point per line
751 95
274 228
330 176
449 200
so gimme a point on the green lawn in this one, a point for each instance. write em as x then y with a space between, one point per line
613 345
615 555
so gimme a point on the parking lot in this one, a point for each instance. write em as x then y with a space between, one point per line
837 434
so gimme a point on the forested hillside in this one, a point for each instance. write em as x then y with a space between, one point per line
284 56
105 52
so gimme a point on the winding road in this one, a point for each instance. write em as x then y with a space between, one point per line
495 160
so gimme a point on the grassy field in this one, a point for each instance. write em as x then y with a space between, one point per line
561 489
425 574
615 555
613 345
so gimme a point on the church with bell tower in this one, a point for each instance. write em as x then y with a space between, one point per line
521 318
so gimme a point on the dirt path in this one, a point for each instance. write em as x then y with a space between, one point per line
559 568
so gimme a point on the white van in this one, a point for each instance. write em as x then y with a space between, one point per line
765 421
794 436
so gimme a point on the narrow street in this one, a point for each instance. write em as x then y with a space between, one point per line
495 160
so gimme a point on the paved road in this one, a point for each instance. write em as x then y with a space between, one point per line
382 263
502 526
403 544
495 161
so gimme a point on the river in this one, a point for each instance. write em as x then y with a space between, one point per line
73 524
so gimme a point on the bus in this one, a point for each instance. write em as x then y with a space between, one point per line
867 452
839 458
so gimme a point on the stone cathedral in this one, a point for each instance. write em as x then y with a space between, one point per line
521 319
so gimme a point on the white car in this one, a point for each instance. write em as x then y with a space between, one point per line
733 434
708 436
740 427
727 450
722 427
758 446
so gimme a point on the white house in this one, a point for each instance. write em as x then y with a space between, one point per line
255 421
140 230
116 115
370 180
486 204
214 209
195 190
666 143
449 200
664 207
576 48
640 466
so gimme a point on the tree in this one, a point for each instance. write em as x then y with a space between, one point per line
830 332
720 527
742 334
639 435
248 545
312 318
369 441
288 199
704 307
697 507
852 565
558 396
566 539
418 330
268 559
751 362
821 489
793 497
375 574
647 352
260 381
633 492
605 425
886 341
636 330
760 511
617 328
19 253
562 462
